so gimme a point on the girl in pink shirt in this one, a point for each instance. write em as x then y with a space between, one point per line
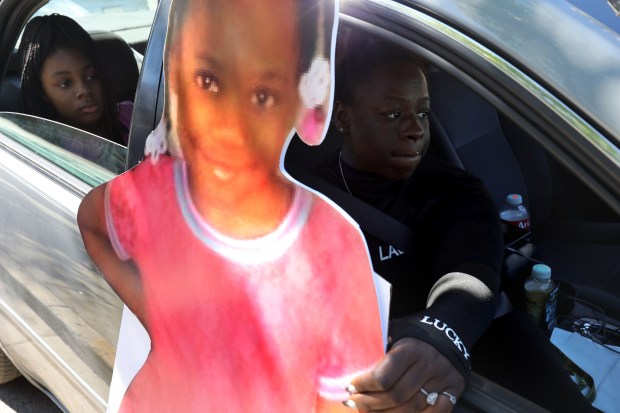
252 289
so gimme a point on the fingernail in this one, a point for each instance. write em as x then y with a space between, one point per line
351 389
350 404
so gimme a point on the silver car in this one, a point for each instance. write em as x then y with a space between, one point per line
527 94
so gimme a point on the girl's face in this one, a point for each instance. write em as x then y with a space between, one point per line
71 85
234 70
387 129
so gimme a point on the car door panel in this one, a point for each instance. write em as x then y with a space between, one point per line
60 312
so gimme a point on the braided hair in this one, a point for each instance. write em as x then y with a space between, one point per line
43 36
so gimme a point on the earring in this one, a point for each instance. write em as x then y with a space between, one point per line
340 129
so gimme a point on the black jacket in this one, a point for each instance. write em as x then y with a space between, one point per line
444 290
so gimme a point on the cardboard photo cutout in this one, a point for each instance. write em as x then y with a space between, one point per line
245 291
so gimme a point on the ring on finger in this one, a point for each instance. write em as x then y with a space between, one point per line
450 396
431 398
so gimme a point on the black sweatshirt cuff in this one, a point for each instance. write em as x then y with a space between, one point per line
435 332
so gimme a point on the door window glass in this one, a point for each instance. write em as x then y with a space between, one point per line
90 158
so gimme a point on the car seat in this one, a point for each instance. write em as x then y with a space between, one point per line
120 63
9 89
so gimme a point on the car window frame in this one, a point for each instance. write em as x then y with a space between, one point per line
493 78
148 105
44 167
25 11
15 126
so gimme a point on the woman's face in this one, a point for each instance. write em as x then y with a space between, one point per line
71 85
235 75
386 128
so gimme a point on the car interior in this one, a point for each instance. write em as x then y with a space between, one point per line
572 229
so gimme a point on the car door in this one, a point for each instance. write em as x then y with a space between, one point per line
60 319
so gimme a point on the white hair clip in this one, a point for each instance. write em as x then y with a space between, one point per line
156 143
314 84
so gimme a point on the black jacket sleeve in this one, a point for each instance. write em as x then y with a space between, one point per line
463 233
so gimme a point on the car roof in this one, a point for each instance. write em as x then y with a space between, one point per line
601 10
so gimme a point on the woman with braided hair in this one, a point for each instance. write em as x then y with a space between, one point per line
63 79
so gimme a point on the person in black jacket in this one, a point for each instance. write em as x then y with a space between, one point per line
446 291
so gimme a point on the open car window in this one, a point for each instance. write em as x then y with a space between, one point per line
120 30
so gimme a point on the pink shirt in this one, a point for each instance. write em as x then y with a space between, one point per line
261 325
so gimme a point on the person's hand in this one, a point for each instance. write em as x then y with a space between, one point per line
398 383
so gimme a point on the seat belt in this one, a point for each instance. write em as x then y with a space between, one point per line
370 219
378 224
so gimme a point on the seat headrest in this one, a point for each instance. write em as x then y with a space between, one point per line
120 63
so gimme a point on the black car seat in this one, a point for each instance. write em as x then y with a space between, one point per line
9 88
120 63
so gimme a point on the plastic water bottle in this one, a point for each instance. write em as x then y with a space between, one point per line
515 217
541 295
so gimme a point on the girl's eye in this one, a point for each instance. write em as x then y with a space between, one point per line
207 82
423 115
64 84
394 115
263 98
92 76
